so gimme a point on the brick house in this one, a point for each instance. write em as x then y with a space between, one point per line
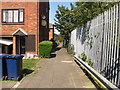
51 31
23 25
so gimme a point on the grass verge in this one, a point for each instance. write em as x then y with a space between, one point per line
28 65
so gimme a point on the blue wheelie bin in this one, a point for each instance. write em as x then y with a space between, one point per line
14 66
3 68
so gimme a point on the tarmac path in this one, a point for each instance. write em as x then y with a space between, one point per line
60 71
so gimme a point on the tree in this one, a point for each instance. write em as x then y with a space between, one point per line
64 22
67 20
85 11
58 38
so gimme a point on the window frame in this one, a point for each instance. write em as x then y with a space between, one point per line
19 22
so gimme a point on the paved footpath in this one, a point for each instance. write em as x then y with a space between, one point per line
58 72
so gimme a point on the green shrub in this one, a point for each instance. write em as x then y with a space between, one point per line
85 59
45 48
83 56
70 49
90 63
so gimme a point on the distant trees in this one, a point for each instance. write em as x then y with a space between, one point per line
67 20
64 22
58 38
85 11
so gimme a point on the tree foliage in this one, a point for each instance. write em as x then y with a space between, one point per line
63 22
58 38
85 11
67 20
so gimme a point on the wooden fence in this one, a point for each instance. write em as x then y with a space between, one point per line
100 40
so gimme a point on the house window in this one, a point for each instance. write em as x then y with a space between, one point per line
12 16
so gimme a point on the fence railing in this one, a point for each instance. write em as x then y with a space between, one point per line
100 40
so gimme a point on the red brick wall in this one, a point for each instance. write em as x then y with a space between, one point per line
32 20
51 34
0 19
30 17
30 25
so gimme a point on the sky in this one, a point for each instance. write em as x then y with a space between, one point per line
54 7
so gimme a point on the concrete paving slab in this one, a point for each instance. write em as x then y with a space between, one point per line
8 84
57 74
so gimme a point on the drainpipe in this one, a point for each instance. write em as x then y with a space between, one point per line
38 24
14 45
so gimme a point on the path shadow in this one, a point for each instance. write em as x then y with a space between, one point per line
27 71
56 49
53 56
24 73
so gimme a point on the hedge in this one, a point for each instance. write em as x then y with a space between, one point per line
45 48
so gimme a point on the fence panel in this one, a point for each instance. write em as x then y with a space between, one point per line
99 39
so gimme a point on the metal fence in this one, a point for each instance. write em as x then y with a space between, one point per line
100 40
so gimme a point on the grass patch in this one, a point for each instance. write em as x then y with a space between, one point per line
36 71
8 80
28 65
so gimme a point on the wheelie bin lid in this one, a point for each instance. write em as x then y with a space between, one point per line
14 56
3 55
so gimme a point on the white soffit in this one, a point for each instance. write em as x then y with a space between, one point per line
21 31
